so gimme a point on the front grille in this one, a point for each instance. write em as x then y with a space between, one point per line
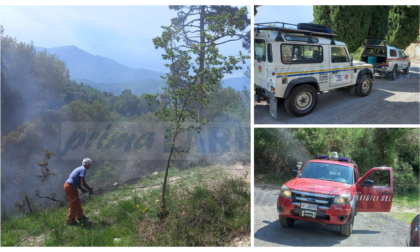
320 215
321 200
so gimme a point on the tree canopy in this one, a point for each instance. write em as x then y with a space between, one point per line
403 25
399 25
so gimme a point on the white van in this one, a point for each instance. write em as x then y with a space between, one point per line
297 64
385 59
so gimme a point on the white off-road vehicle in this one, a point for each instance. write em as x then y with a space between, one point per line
385 59
297 64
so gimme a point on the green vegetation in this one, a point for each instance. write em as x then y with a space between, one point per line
357 53
206 201
406 198
353 24
403 25
405 217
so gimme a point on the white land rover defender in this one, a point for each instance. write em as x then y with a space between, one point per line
385 59
297 64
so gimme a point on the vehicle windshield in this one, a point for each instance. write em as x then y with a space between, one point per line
330 172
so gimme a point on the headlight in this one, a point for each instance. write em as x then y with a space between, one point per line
285 192
342 199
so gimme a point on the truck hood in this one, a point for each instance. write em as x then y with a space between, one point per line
360 63
318 186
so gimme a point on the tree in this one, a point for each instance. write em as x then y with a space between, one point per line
398 24
255 9
379 26
351 23
184 90
322 15
194 21
403 25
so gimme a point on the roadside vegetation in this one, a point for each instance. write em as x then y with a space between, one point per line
208 201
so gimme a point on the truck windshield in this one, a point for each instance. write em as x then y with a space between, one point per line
330 172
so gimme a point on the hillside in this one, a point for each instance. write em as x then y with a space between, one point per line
126 215
236 83
108 75
83 65
149 86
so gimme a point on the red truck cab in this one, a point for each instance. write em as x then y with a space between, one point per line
329 190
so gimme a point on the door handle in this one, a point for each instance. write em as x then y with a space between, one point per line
334 72
386 193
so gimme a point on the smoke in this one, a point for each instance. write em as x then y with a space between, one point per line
34 88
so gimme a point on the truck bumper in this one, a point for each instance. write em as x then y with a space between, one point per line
335 215
382 70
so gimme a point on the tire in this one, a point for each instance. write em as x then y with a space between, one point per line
301 101
347 228
311 27
364 87
394 73
407 70
286 222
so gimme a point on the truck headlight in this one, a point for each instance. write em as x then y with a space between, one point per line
285 192
342 199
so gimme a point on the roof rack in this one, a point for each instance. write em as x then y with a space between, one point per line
271 26
342 159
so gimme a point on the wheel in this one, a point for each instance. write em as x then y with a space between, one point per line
364 87
394 73
286 222
407 70
301 101
347 228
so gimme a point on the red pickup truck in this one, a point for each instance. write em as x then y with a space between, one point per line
329 190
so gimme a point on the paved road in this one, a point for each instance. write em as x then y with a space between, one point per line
370 229
390 102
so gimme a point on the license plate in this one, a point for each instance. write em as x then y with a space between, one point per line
308 206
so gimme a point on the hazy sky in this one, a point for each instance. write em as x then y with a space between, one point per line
121 33
291 14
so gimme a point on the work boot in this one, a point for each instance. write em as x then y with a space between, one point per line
74 223
83 218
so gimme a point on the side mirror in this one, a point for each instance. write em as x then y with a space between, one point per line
295 173
367 183
407 55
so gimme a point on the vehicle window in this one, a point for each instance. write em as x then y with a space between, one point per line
380 178
259 49
400 54
330 172
403 54
374 52
339 54
393 53
380 52
269 53
354 176
301 54
368 51
300 38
